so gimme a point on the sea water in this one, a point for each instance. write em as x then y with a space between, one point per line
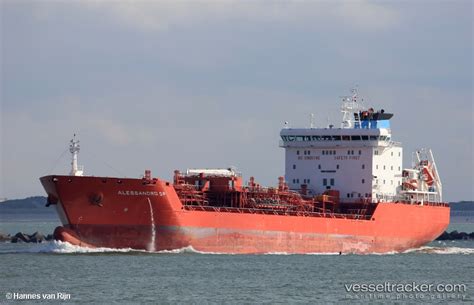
60 273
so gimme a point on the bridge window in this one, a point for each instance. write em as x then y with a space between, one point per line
373 138
365 138
346 138
355 138
336 138
316 138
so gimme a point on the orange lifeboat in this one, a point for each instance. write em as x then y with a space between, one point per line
428 175
411 184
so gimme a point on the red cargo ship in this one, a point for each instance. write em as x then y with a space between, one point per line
212 210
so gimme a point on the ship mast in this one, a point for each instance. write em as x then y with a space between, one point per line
74 150
348 107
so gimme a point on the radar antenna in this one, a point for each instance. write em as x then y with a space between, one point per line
349 105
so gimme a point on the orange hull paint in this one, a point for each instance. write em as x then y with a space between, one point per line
124 213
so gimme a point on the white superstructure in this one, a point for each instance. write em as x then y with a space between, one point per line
216 172
359 159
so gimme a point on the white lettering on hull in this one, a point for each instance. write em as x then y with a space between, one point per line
141 193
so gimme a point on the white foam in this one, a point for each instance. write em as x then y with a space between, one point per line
188 249
67 248
441 250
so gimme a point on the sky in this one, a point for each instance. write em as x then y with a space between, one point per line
166 85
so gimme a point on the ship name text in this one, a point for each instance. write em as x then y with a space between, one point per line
141 193
335 158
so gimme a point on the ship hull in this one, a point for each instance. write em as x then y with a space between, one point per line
135 215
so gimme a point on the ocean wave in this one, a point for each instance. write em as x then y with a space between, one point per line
59 247
189 249
277 253
441 250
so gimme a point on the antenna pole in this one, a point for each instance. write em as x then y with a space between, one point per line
74 150
348 107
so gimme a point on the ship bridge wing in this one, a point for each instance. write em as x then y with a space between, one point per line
327 137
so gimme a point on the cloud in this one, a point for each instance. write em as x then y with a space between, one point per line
182 84
163 15
112 131
366 15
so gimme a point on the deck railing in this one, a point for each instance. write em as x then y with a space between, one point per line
276 212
